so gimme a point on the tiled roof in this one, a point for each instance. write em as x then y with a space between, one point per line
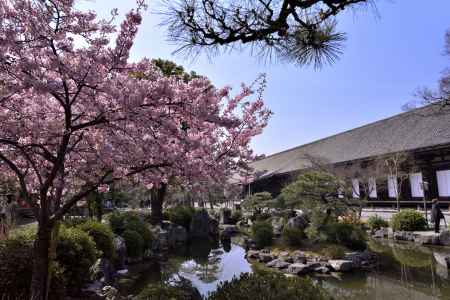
420 128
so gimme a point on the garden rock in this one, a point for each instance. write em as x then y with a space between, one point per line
426 238
177 235
322 270
299 257
265 257
278 264
403 236
298 222
277 224
444 238
121 251
253 254
202 226
381 233
298 269
341 265
442 259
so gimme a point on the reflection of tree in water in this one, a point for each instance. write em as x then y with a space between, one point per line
205 260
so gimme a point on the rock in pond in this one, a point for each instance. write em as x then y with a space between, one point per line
298 269
265 257
299 257
341 265
278 264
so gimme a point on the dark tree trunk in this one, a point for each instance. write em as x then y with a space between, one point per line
157 204
41 260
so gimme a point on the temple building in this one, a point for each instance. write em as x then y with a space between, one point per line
416 142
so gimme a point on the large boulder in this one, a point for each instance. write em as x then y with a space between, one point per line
203 227
177 235
341 265
297 222
278 264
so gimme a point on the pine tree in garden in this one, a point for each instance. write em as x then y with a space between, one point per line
75 116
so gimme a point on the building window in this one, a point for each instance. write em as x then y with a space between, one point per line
416 182
392 186
355 188
443 181
372 188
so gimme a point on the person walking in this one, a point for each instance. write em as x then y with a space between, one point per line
436 215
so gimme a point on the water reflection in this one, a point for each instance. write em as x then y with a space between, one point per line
204 263
404 271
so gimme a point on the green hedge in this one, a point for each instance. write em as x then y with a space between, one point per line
269 286
180 215
262 234
346 234
76 252
134 243
376 222
121 222
102 236
293 236
408 220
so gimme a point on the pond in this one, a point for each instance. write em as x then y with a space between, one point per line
404 272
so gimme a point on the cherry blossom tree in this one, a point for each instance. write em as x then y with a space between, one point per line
76 115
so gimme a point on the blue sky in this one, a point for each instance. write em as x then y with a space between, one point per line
389 54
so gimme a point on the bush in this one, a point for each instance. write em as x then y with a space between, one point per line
75 253
102 236
408 220
16 267
121 222
293 236
269 286
376 222
181 215
262 233
351 236
180 290
236 216
334 251
134 243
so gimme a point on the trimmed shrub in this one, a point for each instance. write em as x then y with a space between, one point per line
236 216
102 236
16 267
121 222
376 222
334 251
75 253
269 286
134 243
181 215
408 220
349 235
262 233
293 236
